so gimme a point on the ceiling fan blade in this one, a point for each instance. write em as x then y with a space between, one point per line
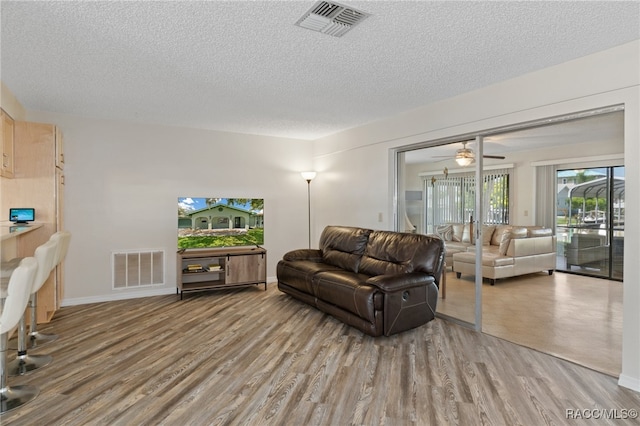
498 157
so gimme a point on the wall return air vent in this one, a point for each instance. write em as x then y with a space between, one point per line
331 18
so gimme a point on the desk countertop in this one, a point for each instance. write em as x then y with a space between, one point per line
9 230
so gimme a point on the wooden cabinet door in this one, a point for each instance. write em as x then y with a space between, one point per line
59 204
6 146
249 268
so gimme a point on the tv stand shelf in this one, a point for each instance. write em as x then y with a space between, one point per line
220 268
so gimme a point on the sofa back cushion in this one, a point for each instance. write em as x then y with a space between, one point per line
461 232
519 232
532 246
394 253
513 234
540 232
499 234
487 234
343 246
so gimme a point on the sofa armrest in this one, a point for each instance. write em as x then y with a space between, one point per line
400 282
313 255
409 300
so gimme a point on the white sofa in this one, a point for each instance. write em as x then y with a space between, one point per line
507 251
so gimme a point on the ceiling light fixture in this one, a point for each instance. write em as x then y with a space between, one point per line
465 156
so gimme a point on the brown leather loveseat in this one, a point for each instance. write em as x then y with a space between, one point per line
380 282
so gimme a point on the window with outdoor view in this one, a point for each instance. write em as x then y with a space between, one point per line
451 198
590 215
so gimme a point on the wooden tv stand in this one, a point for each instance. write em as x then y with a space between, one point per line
220 268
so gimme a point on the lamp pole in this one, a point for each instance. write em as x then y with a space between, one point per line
308 176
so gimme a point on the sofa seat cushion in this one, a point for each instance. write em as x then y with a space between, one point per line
492 259
348 291
299 273
448 255
453 246
486 250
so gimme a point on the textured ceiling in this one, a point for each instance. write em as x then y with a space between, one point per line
243 66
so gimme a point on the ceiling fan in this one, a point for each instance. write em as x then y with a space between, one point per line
465 156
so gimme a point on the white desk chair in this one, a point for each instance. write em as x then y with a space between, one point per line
18 291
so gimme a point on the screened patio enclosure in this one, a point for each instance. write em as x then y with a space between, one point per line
591 226
598 189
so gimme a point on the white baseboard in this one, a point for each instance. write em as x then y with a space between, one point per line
632 383
120 295
124 295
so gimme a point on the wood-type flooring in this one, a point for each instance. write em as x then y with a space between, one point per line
574 317
254 357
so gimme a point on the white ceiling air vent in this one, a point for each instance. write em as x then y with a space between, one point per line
331 18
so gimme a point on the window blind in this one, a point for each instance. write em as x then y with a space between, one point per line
451 198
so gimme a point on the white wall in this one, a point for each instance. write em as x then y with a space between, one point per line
358 169
10 104
122 182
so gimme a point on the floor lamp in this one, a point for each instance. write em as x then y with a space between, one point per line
308 176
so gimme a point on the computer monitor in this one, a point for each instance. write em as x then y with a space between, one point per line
22 215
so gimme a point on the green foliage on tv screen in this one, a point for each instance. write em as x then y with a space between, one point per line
250 238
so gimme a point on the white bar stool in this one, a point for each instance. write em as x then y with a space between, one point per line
17 297
7 267
61 239
37 339
25 363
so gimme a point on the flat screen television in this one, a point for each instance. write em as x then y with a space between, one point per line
22 215
220 222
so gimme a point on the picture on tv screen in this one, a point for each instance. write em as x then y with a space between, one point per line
220 222
22 215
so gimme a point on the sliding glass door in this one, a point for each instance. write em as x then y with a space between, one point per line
438 195
590 221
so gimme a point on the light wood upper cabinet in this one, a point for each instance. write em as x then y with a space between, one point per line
59 149
7 146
